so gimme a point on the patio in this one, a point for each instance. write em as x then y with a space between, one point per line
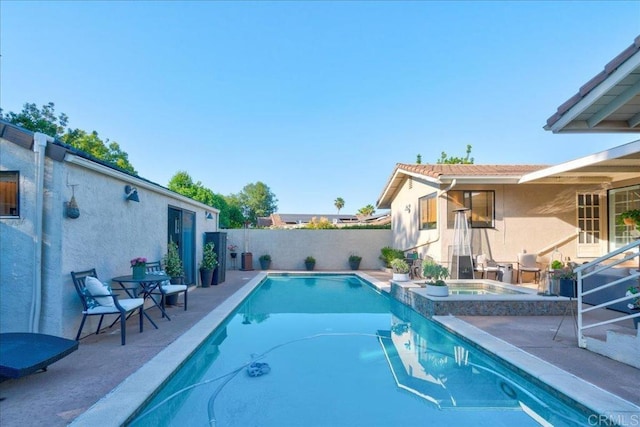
75 383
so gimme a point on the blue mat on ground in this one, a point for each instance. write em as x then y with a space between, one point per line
23 353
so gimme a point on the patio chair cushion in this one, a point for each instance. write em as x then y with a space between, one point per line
171 289
127 304
97 288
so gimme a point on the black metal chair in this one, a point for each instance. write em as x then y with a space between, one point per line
103 303
166 289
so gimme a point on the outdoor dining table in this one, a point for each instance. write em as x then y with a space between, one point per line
142 287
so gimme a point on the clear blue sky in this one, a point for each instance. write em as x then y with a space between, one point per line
318 100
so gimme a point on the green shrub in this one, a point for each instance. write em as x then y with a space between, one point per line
209 257
388 254
400 266
434 272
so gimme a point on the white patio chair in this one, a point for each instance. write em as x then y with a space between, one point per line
527 263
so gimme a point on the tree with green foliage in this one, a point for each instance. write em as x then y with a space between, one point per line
91 144
367 210
419 159
182 183
445 160
45 120
236 218
257 200
39 120
339 204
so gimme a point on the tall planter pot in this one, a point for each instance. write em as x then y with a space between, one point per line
309 265
567 288
354 264
206 277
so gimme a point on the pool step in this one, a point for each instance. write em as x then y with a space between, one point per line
619 346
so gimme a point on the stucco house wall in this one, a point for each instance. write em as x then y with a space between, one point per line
108 234
534 217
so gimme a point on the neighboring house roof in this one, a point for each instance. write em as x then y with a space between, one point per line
445 173
292 220
609 102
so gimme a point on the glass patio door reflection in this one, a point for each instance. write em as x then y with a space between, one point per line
181 229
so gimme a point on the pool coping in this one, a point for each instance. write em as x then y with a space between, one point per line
607 407
123 403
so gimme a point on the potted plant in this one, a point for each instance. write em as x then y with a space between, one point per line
173 268
566 280
630 217
435 274
265 261
557 265
139 267
309 263
208 264
173 263
354 261
233 250
400 269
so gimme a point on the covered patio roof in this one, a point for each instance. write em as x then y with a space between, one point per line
609 102
606 167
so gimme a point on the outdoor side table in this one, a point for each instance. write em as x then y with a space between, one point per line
144 287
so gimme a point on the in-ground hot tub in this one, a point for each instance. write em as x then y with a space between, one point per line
479 298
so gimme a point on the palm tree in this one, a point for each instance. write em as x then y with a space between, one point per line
339 204
367 210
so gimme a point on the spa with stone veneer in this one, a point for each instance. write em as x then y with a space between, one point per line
480 298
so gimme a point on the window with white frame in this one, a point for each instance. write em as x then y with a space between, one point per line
621 200
589 224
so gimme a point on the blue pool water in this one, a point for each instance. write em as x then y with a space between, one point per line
333 351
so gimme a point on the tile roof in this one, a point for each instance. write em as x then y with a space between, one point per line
610 68
438 170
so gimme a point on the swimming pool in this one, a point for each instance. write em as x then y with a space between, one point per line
340 353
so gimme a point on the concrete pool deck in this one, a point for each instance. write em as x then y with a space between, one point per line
74 384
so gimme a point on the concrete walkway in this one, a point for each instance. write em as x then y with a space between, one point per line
75 383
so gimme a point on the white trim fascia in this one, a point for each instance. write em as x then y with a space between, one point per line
395 177
484 179
105 170
596 93
611 154
421 176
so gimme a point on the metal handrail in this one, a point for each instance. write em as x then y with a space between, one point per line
583 271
